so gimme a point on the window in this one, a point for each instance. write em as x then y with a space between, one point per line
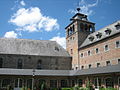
108 63
71 51
108 31
97 82
19 64
81 55
29 83
98 64
90 65
106 48
97 50
56 48
117 26
99 35
91 38
63 83
82 67
53 83
1 62
80 82
41 82
73 83
5 82
18 83
39 64
117 44
118 61
109 82
89 53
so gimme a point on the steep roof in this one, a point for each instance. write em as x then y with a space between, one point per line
31 47
101 34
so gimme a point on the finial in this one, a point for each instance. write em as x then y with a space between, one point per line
78 9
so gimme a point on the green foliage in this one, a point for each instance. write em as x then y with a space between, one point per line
42 87
108 89
66 89
53 89
81 88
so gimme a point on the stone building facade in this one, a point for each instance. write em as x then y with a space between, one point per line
90 56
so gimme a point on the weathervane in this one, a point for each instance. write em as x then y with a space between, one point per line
78 7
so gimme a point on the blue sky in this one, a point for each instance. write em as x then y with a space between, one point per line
46 19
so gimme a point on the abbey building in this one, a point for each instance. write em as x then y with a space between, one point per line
89 56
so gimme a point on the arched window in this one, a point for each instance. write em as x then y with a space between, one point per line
19 64
73 28
29 83
86 27
1 62
39 64
109 82
90 29
5 82
18 83
80 82
81 27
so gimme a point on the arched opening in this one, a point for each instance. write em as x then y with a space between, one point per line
86 27
81 27
73 28
5 82
90 29
109 82
18 83
80 82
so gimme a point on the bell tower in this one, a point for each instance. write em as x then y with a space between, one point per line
76 33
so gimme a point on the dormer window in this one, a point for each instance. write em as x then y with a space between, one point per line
117 26
108 31
91 38
56 48
98 35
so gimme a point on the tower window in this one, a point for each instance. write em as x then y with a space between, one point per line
19 64
117 44
108 63
98 64
106 48
56 48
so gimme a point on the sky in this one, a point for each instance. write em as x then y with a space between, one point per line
47 19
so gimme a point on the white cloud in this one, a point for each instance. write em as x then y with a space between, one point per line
31 20
60 40
22 3
10 34
85 7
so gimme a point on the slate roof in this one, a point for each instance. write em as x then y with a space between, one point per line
92 71
31 47
102 31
